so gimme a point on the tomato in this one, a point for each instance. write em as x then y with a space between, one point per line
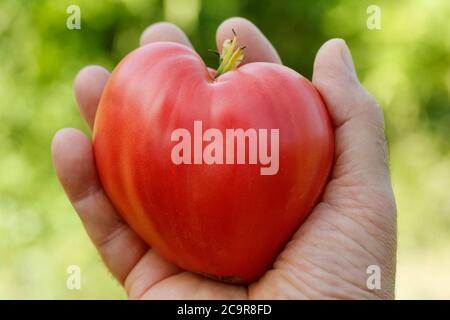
224 219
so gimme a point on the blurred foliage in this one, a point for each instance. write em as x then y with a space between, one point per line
405 65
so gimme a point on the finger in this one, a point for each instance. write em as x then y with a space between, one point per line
164 31
257 47
120 247
88 87
91 80
359 126
151 269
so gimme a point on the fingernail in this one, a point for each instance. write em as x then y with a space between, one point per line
347 58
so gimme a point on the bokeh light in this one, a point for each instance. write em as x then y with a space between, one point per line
405 65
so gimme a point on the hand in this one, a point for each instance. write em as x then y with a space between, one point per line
353 227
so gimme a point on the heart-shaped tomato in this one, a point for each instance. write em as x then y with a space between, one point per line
212 209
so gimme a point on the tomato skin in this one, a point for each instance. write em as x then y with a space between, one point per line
226 221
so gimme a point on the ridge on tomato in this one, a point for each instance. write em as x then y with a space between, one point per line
224 219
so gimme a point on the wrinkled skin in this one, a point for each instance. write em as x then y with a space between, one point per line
353 227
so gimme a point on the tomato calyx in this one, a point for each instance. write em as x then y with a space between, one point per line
230 57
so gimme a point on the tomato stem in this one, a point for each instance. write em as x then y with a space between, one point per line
230 57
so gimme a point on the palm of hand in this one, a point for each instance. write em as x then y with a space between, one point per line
352 227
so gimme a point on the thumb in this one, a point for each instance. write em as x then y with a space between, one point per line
360 190
360 147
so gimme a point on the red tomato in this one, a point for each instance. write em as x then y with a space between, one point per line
226 221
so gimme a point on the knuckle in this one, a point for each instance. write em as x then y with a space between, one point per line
373 108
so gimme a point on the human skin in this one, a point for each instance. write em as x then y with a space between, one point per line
350 229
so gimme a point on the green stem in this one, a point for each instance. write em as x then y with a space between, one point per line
231 56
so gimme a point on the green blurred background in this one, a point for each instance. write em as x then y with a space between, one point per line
405 65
